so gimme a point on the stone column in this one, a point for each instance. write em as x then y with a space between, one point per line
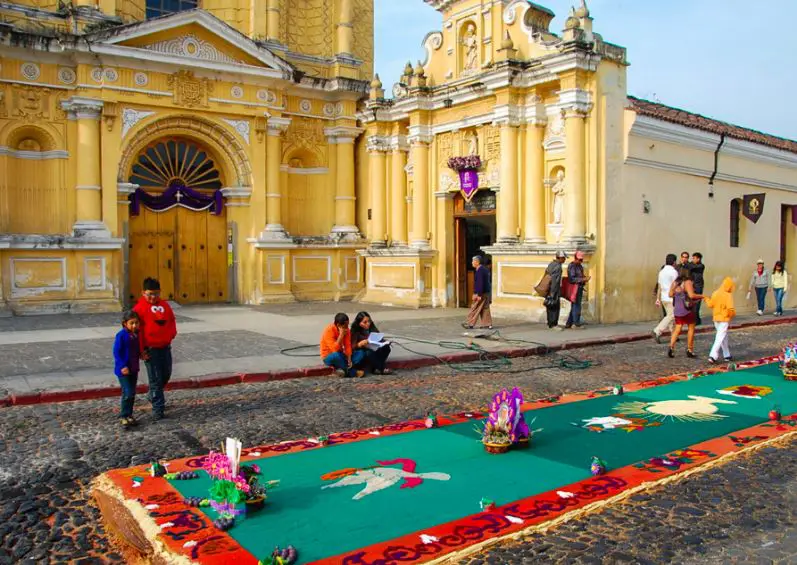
88 186
377 181
507 213
345 223
420 190
534 224
398 195
575 213
345 28
273 21
274 228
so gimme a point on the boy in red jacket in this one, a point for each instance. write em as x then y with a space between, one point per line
158 329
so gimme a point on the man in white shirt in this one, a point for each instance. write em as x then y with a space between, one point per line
667 276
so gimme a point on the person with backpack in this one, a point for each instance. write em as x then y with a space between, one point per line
550 287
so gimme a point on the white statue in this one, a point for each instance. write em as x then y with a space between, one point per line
472 142
558 190
471 43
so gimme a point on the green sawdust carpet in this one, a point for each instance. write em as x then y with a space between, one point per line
430 477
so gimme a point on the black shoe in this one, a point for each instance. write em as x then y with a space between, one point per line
568 326
670 353
158 416
729 358
690 354
466 326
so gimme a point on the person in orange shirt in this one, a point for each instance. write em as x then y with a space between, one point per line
336 347
721 302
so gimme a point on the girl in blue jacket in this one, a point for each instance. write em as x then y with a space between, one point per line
126 354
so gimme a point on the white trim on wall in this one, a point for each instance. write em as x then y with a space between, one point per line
371 284
282 268
34 155
26 291
346 260
104 284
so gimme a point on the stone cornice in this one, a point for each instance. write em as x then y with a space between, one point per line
82 108
420 134
276 125
575 101
377 143
343 132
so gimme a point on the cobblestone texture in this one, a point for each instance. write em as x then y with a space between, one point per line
744 511
63 356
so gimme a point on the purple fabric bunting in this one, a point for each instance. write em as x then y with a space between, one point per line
176 195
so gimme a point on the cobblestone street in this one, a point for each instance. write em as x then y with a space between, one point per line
744 511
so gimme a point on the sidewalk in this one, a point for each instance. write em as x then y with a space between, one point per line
53 358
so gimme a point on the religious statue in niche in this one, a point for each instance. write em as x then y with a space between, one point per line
471 143
558 190
471 44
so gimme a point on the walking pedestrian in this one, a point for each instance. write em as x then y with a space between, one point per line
576 278
667 275
158 330
683 297
480 307
760 281
698 270
554 293
780 286
721 302
126 354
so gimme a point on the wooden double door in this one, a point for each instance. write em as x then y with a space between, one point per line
474 229
185 250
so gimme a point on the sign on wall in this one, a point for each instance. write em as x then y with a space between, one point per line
753 206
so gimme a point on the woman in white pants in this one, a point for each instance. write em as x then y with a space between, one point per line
721 302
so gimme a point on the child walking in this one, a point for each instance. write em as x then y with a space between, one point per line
721 302
126 351
158 330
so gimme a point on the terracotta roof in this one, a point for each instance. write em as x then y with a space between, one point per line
690 120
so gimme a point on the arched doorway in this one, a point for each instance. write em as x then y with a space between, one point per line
178 227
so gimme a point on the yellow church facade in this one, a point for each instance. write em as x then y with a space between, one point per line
247 155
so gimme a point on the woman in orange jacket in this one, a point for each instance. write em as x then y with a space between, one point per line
721 302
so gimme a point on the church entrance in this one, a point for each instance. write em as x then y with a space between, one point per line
178 228
474 224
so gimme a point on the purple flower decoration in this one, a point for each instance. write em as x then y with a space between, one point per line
470 162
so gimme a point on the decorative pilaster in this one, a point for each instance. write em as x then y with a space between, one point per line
508 196
398 191
274 229
345 28
534 216
377 146
88 200
420 139
273 21
576 190
345 225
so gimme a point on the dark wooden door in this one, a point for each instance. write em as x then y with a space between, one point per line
461 262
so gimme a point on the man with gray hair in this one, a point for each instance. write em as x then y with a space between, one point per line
480 307
552 300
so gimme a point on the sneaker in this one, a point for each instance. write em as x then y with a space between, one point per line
729 358
125 422
712 360
132 421
340 373
759 312
657 337
556 328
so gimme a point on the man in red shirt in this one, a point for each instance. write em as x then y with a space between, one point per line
158 329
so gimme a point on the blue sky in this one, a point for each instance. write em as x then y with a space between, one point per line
732 60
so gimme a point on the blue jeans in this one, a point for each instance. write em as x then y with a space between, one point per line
778 300
128 385
761 296
377 360
575 309
338 361
159 371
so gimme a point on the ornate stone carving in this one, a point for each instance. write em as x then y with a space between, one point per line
447 182
110 111
470 43
130 117
304 132
445 148
309 27
191 46
188 90
141 79
97 74
492 143
31 104
241 126
237 92
111 75
66 75
3 110
377 143
470 143
30 71
558 190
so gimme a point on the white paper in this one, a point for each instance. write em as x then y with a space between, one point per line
375 341
233 451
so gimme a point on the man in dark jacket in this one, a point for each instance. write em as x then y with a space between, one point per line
552 299
480 307
697 269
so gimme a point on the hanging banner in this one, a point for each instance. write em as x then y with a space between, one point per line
753 206
468 183
176 195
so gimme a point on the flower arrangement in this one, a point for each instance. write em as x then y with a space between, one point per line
505 426
470 162
789 361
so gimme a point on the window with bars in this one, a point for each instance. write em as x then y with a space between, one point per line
736 208
157 8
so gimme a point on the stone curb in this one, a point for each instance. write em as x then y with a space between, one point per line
224 379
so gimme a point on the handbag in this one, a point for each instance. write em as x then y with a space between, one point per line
544 286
